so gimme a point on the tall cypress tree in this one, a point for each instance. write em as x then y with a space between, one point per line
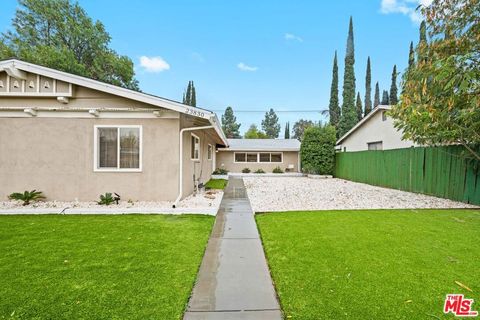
333 107
423 40
188 94
287 130
193 96
423 32
393 97
376 100
368 89
411 56
359 107
349 114
385 98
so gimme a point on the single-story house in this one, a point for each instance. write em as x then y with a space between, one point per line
374 132
265 154
76 138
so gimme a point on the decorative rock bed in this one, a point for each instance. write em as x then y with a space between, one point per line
301 193
203 203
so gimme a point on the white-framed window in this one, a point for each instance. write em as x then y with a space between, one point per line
377 145
117 148
276 157
209 152
264 157
240 157
258 157
252 157
195 147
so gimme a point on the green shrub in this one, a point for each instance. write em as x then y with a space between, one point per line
259 171
220 171
246 170
277 170
27 196
317 151
107 199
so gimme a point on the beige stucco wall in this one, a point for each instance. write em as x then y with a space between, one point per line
225 159
55 155
202 169
375 129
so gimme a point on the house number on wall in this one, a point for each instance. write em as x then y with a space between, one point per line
194 112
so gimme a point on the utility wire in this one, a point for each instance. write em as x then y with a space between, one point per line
276 111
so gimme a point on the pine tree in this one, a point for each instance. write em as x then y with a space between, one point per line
229 124
385 98
368 89
333 107
61 35
376 100
359 107
270 124
349 114
287 130
411 56
393 97
299 128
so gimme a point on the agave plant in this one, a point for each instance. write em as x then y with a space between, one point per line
27 196
106 199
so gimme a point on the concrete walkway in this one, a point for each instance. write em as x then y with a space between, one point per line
234 281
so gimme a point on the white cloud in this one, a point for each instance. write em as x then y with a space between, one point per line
154 64
242 66
405 7
292 37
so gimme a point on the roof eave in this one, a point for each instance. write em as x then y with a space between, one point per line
260 149
118 91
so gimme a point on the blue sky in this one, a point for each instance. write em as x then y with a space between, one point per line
253 55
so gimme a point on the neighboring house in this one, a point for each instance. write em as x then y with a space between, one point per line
265 154
76 138
374 132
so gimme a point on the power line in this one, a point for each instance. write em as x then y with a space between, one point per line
276 111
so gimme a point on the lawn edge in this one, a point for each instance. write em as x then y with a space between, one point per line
270 269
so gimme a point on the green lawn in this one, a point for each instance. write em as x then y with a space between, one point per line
216 184
376 264
99 267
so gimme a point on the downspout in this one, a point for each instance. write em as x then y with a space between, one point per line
180 181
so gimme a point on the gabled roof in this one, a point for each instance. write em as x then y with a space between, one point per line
361 122
12 65
263 145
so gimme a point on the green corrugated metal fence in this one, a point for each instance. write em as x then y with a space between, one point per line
440 171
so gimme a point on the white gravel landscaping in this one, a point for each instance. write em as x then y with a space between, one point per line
204 203
301 193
